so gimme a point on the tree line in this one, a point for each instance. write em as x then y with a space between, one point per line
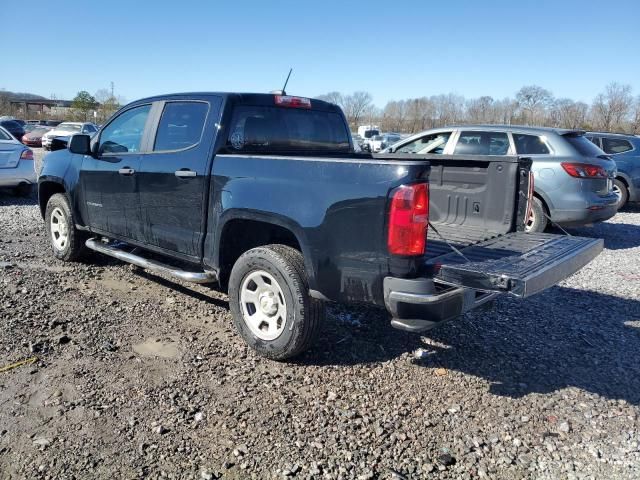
613 110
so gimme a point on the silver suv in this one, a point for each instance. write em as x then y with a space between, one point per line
573 177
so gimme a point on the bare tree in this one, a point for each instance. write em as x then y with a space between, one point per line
533 101
610 109
355 106
635 116
567 113
332 97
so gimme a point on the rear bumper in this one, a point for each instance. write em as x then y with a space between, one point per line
575 218
416 305
23 173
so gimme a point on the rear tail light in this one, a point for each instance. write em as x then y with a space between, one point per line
584 170
26 155
408 220
293 102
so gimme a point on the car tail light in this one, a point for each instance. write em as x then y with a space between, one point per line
408 220
584 170
293 102
26 155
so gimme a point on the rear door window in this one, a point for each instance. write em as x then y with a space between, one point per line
181 125
615 145
432 144
482 143
530 144
260 129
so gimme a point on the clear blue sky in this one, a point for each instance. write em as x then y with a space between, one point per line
393 50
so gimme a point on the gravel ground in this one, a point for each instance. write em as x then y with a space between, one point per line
140 377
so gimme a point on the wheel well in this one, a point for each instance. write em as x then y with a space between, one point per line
241 235
623 180
45 191
544 204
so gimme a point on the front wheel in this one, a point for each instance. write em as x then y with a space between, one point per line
66 241
537 221
270 302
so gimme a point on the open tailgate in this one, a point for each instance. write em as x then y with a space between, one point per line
521 264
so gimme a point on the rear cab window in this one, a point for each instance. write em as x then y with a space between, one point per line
530 144
273 130
482 143
615 145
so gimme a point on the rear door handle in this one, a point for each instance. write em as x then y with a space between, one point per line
126 171
185 173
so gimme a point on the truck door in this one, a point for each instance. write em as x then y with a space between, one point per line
173 175
109 179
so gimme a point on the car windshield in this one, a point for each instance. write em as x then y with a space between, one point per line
371 133
392 139
68 127
377 137
584 146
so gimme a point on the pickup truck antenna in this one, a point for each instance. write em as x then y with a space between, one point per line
286 81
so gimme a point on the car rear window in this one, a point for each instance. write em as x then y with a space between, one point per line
5 136
259 129
615 145
583 145
530 144
10 124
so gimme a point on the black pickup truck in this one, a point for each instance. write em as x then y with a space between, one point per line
264 195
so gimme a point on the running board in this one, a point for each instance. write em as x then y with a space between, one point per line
156 267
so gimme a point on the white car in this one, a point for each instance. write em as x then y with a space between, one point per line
380 142
67 129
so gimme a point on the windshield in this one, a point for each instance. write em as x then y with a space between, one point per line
377 137
68 127
392 139
584 146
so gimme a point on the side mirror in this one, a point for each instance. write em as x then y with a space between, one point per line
80 144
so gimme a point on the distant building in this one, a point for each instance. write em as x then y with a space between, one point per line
39 108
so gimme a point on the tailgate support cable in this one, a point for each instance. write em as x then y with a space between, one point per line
447 242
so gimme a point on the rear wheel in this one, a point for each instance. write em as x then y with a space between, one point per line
537 221
620 189
66 241
270 302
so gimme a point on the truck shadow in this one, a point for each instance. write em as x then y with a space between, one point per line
617 236
9 198
561 338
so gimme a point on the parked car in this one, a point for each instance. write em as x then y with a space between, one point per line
13 127
625 151
67 129
380 142
573 178
274 206
34 137
17 166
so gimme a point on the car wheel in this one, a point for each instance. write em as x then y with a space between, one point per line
537 221
620 189
66 241
24 190
270 302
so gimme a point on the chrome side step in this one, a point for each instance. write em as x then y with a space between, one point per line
157 267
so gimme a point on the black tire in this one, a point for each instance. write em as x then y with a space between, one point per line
73 248
24 190
538 221
304 315
624 193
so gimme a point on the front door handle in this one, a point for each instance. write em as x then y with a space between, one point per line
185 173
126 171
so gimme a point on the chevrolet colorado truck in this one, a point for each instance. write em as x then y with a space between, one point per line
263 195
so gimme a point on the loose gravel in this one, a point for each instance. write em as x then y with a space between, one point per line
140 377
